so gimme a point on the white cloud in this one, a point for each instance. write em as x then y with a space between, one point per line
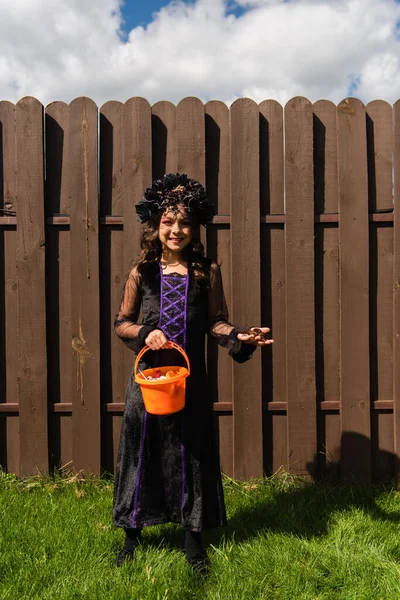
316 48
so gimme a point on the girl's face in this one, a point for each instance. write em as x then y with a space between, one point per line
175 231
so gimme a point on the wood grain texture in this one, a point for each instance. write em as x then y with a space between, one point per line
279 442
273 295
137 176
326 200
8 274
354 291
112 273
218 185
396 290
9 442
380 148
191 144
110 159
271 158
32 372
380 154
331 446
381 341
326 181
137 171
12 463
300 322
246 306
60 361
164 139
382 446
191 138
273 301
225 427
83 196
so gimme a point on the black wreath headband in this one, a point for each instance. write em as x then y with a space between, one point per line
171 192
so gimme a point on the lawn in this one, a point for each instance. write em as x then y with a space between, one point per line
285 540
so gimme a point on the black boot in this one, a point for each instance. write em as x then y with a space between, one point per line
132 541
195 553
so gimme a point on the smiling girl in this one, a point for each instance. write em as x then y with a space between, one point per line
168 466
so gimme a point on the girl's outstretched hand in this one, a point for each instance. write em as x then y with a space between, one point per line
156 340
257 336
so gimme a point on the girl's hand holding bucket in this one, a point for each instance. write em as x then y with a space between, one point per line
156 340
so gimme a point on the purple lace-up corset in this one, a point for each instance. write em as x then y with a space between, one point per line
174 288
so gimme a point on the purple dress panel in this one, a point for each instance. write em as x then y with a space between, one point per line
174 288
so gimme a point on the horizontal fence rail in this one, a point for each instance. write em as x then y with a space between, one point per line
307 234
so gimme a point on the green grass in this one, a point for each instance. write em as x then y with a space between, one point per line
285 540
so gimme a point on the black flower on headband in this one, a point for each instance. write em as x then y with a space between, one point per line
173 190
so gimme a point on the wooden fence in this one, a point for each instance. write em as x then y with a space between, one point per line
308 235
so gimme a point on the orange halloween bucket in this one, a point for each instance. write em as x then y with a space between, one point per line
163 388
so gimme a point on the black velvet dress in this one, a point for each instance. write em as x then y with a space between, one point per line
168 466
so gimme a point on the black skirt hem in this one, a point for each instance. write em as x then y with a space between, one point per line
165 520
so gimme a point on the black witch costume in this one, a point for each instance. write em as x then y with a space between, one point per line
168 466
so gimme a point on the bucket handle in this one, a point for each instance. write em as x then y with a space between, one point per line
170 345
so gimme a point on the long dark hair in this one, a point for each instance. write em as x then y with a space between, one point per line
193 253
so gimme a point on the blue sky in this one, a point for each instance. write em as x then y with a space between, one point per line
140 12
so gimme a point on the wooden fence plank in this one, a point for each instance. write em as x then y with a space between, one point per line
396 290
112 276
32 372
218 185
276 443
12 464
60 361
246 309
191 138
83 192
327 318
164 139
137 176
9 442
8 202
137 170
273 302
271 158
300 337
380 149
326 183
330 422
191 143
110 159
354 289
380 155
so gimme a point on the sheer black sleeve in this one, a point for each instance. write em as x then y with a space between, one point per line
218 320
125 324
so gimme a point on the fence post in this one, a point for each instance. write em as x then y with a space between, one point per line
273 282
32 371
354 291
83 196
137 176
396 291
246 307
300 321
